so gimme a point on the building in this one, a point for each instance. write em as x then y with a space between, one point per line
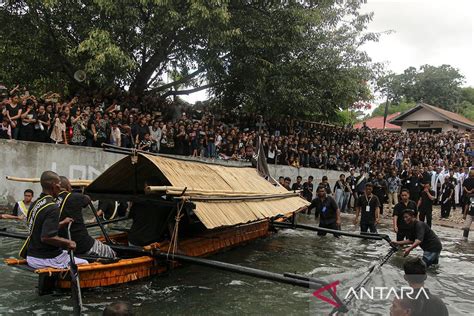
425 117
377 123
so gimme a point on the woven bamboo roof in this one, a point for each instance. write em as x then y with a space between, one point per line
124 177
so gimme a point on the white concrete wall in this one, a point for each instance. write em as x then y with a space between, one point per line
29 160
445 127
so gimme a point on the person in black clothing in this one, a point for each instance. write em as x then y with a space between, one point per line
425 204
368 207
327 210
468 214
286 183
308 189
421 235
71 205
399 225
422 301
446 198
44 248
414 185
352 180
380 190
149 220
326 185
297 185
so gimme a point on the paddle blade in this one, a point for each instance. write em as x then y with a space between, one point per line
75 288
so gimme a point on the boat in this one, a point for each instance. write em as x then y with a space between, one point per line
212 208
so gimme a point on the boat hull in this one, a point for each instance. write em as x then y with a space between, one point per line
128 270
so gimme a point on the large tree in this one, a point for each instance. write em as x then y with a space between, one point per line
439 86
292 57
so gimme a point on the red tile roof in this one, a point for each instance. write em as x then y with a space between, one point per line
377 123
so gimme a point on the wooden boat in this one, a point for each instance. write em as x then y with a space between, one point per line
224 207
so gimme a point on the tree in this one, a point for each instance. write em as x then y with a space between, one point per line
277 58
438 86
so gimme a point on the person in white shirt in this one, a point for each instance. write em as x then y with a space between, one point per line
58 135
155 135
115 135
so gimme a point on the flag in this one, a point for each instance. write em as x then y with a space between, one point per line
385 114
259 161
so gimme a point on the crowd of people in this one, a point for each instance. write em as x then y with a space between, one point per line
168 128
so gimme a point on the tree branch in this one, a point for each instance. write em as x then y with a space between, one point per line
189 91
179 81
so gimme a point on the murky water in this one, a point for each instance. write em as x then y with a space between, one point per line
203 291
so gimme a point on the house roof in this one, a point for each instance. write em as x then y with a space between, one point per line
447 115
223 195
377 123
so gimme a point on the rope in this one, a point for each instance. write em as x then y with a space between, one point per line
174 236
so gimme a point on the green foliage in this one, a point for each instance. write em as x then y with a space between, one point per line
298 58
393 108
438 86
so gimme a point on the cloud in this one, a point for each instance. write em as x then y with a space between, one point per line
426 32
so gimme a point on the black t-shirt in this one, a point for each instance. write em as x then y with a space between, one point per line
13 111
398 211
367 216
45 225
446 191
73 205
429 241
426 203
468 184
308 190
296 186
326 209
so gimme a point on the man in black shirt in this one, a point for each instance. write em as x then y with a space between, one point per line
422 236
71 205
368 207
468 215
446 198
352 180
425 204
308 189
327 209
326 185
421 301
399 226
44 248
297 185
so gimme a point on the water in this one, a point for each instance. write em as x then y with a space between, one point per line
203 291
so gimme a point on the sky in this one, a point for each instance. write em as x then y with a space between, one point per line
431 32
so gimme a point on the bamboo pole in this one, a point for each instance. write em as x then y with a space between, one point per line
74 182
221 193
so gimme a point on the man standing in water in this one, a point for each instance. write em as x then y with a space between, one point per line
422 236
421 301
327 209
399 226
368 208
468 215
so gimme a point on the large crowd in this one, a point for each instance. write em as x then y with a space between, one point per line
181 129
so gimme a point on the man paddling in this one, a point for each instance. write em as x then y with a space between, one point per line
44 248
327 209
20 210
71 205
422 236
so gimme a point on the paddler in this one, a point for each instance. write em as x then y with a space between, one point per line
421 235
71 205
20 210
44 248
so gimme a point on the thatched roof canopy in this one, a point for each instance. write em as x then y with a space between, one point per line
125 178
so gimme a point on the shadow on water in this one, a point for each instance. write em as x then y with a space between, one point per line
200 290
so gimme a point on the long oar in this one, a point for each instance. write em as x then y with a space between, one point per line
106 236
110 221
75 284
372 269
5 233
332 231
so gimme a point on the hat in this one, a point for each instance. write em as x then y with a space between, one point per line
408 210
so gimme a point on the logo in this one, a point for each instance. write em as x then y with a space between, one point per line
371 293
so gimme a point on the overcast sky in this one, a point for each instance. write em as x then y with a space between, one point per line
431 32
